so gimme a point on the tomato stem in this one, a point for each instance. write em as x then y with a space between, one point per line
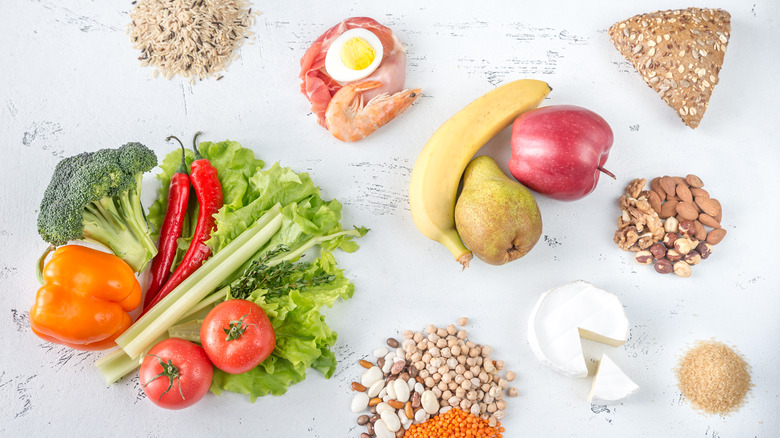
236 329
170 371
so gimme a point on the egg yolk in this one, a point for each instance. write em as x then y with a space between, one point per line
357 53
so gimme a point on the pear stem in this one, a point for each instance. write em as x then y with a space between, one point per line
607 172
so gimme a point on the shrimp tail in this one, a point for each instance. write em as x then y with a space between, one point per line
349 119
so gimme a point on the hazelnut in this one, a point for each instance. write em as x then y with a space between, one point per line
692 258
673 255
686 228
669 239
643 257
683 246
671 225
663 266
658 250
704 249
682 269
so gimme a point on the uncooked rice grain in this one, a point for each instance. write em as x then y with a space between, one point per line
713 377
190 38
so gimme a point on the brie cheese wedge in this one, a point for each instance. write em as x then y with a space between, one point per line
567 313
611 384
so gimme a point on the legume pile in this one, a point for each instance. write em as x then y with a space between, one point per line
434 383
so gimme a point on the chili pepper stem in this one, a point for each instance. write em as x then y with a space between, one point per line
195 145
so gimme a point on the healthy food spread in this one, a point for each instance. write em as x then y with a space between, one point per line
232 305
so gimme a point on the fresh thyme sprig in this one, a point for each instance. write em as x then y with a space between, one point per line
276 279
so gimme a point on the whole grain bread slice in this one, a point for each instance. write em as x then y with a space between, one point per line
679 53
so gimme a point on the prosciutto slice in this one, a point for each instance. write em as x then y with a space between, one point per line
319 87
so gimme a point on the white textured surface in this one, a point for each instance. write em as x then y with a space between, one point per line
71 82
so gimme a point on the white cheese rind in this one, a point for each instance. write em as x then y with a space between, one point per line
565 314
610 384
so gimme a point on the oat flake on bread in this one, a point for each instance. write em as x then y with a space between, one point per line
679 53
189 38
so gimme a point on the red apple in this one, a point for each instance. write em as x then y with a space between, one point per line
559 150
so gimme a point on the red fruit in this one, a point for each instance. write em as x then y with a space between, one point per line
560 150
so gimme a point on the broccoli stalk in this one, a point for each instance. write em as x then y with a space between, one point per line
95 196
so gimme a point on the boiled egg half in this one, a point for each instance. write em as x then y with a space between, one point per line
353 55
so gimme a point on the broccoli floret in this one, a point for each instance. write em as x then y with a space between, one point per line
96 196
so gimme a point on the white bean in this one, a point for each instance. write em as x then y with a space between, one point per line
420 416
418 387
391 420
445 409
381 430
359 402
376 388
371 376
382 393
429 402
381 407
391 389
380 352
386 367
410 383
399 352
401 391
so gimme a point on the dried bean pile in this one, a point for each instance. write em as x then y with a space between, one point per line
430 373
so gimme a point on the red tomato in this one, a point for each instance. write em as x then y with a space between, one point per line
176 373
237 335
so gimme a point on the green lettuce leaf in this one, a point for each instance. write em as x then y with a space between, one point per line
303 339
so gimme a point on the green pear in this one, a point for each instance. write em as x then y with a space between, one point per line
496 217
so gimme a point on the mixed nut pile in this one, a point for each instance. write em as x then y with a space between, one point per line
429 373
667 226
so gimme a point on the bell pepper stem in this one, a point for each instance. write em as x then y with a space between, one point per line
41 263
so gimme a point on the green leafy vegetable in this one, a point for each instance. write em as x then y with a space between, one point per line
303 339
96 196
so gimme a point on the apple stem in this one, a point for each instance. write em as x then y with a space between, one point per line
607 172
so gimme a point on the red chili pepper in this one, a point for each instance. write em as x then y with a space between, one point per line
170 231
209 192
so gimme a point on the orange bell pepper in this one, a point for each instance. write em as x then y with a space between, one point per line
85 299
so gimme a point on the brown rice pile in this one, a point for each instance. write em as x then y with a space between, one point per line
713 377
190 38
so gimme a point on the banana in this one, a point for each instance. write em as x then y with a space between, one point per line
434 184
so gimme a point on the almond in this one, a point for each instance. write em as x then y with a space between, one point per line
694 181
719 216
697 193
655 183
686 210
684 193
709 205
715 236
668 209
679 180
669 186
655 201
708 220
699 232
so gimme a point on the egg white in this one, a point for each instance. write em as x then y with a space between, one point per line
336 68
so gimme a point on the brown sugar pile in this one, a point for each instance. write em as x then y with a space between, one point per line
713 377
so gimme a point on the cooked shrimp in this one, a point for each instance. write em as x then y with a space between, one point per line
349 119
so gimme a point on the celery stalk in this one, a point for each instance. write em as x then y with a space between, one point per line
198 285
298 252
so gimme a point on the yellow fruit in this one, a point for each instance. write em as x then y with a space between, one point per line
437 172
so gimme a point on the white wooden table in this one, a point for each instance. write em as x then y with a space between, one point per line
70 82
